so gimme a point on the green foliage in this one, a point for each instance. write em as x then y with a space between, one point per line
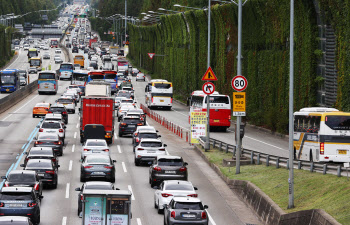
5 47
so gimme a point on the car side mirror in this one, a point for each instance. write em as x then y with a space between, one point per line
195 188
78 189
185 164
41 197
206 207
22 165
26 153
3 177
159 135
58 166
34 138
157 130
65 126
114 161
165 145
117 189
165 206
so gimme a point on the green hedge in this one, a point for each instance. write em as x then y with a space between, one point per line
5 46
183 39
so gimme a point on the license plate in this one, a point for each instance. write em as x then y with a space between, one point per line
46 87
51 131
188 215
161 100
7 89
41 174
96 151
151 151
132 126
15 205
342 152
216 121
97 173
170 172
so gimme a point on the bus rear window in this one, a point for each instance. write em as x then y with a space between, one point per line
66 67
338 122
162 85
219 99
50 76
79 57
96 77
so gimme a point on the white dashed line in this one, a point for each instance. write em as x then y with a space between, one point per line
73 147
20 108
77 125
70 165
211 219
75 135
67 190
115 136
138 221
119 149
132 193
124 167
64 220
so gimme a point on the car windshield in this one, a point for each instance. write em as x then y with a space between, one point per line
170 162
99 187
96 143
16 196
179 187
151 144
51 125
57 109
19 177
97 160
39 164
148 135
189 205
131 120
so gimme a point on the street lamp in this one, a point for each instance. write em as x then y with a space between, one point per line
181 6
162 9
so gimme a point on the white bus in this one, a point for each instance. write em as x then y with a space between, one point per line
159 93
220 108
321 135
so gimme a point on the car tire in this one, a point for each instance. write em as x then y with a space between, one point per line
152 184
160 211
155 205
137 162
82 179
112 180
33 116
79 212
54 186
74 111
37 219
120 134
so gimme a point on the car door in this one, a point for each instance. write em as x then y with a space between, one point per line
158 192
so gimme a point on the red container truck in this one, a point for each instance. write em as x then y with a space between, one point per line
97 110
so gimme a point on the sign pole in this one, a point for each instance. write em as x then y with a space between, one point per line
239 72
207 142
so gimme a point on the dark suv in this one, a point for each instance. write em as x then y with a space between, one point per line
167 167
129 124
75 49
20 201
25 179
41 153
59 108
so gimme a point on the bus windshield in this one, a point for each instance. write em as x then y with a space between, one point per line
66 67
162 85
47 76
8 79
32 54
79 57
94 77
122 63
338 122
35 62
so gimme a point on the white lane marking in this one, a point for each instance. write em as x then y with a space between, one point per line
67 190
73 147
119 149
77 125
64 220
20 108
179 112
266 143
115 136
211 219
124 167
166 152
75 135
138 221
132 193
70 164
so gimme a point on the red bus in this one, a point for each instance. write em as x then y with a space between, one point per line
54 43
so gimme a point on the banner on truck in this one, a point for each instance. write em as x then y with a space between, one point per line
94 211
198 126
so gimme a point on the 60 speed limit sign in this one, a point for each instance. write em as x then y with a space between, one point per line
239 83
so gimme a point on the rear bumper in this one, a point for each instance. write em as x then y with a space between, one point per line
161 177
18 212
127 130
220 123
185 222
334 158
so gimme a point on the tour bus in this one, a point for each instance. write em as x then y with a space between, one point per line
220 108
96 76
66 70
112 78
32 52
159 93
322 135
9 80
36 62
80 78
47 82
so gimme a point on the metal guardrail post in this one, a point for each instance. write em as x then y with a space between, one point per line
339 171
299 165
287 164
234 150
312 167
213 143
268 160
252 157
278 162
226 148
258 159
324 169
220 146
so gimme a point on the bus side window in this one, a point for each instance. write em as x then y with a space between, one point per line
317 124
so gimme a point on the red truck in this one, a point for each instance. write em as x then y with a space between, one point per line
92 41
97 111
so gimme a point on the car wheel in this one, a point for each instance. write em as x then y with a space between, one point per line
79 211
152 183
82 179
73 111
33 116
120 134
137 162
112 180
54 186
155 205
37 219
160 211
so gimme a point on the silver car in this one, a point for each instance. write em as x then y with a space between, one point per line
58 59
148 150
140 76
94 146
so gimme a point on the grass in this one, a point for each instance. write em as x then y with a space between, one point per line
311 190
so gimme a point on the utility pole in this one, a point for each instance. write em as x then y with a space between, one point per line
125 19
207 142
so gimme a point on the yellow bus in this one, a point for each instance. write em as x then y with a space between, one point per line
79 59
36 62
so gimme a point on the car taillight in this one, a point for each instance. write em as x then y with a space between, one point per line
141 118
38 142
157 168
140 149
166 195
64 113
139 124
137 140
31 204
36 187
49 112
60 130
6 185
54 86
182 169
322 148
123 124
162 149
108 167
172 214
152 99
41 130
53 160
50 172
87 167
204 215
2 204
57 142
85 149
82 197
105 150
171 100
229 117
38 86
193 195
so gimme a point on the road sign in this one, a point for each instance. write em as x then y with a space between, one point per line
151 55
198 126
239 83
127 42
209 75
208 88
239 104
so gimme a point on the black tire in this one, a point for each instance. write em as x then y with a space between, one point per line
160 211
73 111
33 116
54 186
120 134
79 211
37 219
137 162
155 205
82 179
153 184
112 180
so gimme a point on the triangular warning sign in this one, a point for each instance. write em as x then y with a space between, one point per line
151 55
209 75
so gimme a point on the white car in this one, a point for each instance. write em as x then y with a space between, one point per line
54 127
114 58
171 188
144 128
117 101
123 108
74 87
94 146
46 47
58 59
148 150
73 92
32 70
16 47
58 51
68 102
140 76
26 47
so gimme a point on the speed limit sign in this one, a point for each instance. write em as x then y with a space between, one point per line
239 83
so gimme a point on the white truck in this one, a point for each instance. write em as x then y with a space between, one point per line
107 63
98 88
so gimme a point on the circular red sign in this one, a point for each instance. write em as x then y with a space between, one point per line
208 88
239 83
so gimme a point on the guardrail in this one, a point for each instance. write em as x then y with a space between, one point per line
255 156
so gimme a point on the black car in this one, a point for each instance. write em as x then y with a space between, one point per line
50 140
86 50
120 52
15 220
75 49
97 167
46 170
167 167
92 185
41 153
61 109
128 125
24 178
143 134
20 201
94 65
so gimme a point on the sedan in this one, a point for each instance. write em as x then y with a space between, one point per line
97 167
41 153
140 76
50 140
91 185
93 147
184 211
170 188
58 59
58 51
45 169
148 150
46 55
20 178
123 108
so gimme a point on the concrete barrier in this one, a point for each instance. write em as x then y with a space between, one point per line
266 209
17 96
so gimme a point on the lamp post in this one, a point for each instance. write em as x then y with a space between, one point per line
188 7
162 9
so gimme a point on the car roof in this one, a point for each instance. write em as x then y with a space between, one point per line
168 157
94 156
186 199
51 121
41 160
91 140
147 131
139 128
150 140
53 116
98 183
58 106
42 104
40 148
22 172
131 117
16 189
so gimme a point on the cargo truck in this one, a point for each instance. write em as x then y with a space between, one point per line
97 110
98 88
